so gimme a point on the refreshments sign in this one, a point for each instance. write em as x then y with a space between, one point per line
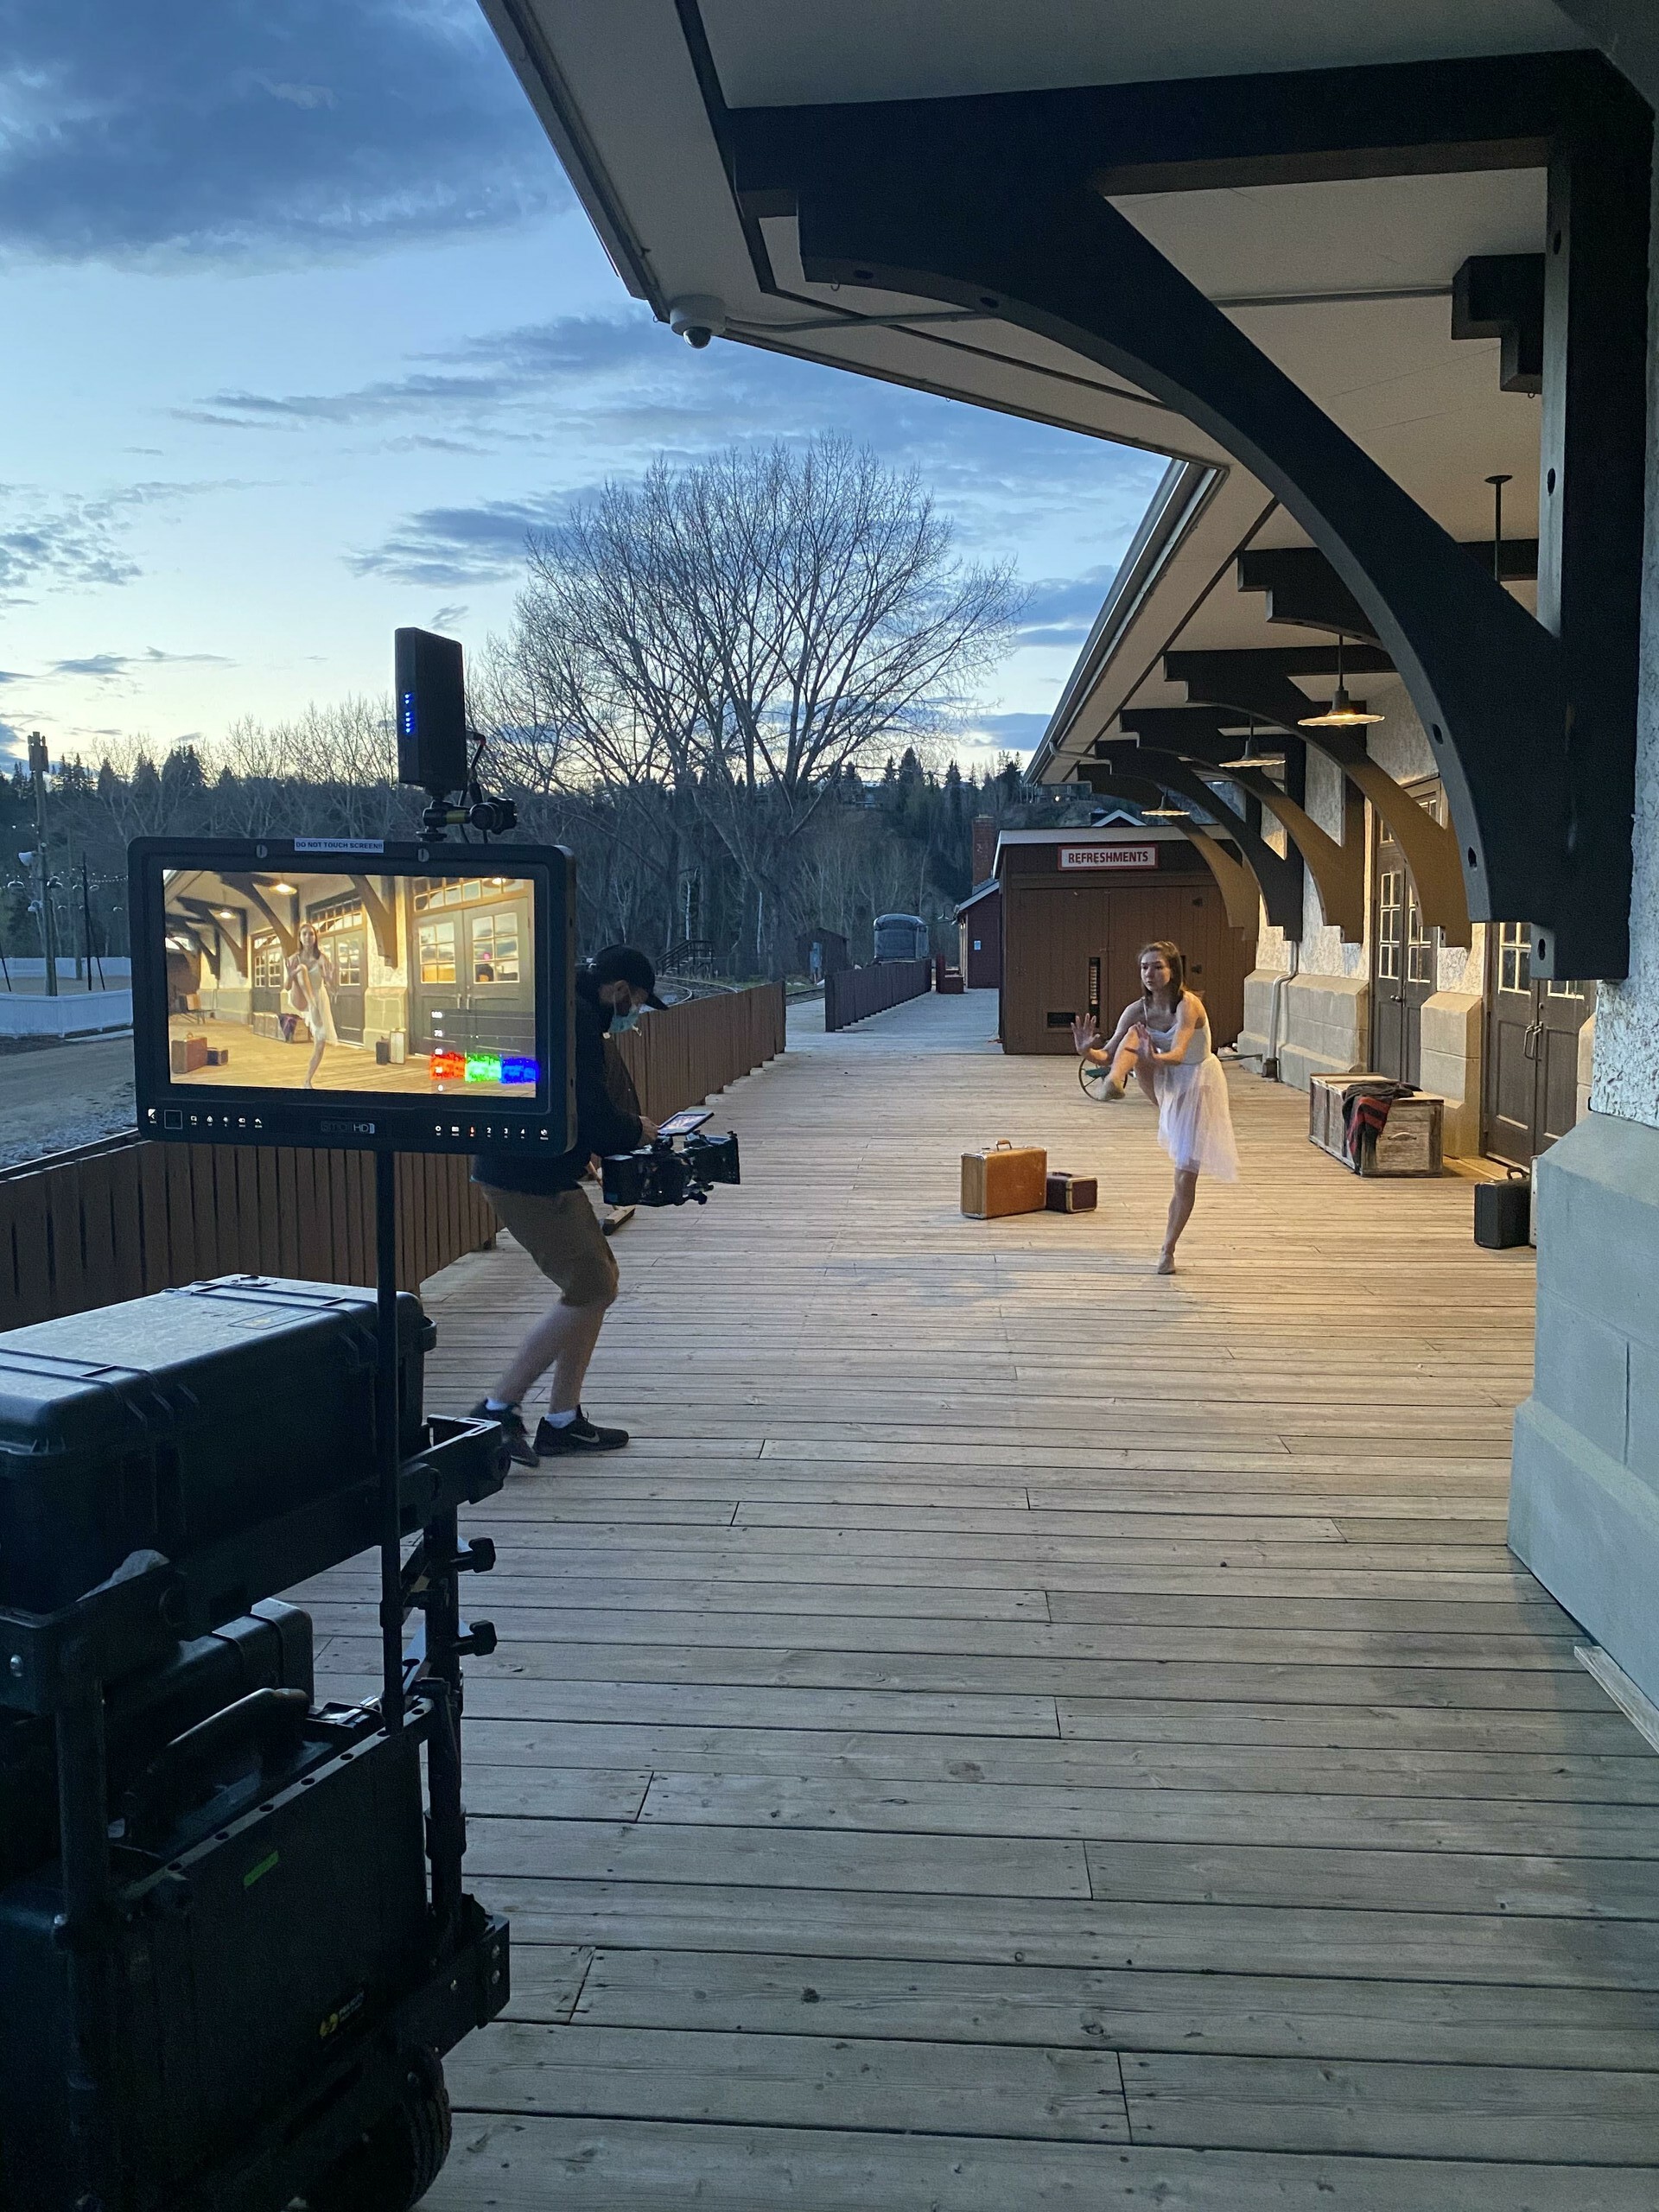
1108 856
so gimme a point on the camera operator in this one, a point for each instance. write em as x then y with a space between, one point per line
543 1204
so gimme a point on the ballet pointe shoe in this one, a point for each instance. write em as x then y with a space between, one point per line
1166 1264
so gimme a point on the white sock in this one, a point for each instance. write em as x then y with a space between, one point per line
563 1420
500 1404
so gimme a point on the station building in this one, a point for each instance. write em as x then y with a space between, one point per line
1356 273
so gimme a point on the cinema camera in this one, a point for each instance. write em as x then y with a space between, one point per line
669 1173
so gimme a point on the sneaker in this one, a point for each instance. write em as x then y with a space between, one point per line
521 1450
579 1435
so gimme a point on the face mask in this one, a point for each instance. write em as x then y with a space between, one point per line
622 1021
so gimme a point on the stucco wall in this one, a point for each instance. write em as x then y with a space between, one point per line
1627 1015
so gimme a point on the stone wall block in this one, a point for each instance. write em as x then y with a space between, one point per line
1583 1373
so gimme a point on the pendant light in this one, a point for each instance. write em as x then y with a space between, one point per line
1250 758
1498 484
1165 813
1342 713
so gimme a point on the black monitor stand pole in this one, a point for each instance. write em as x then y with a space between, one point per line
388 1442
431 1581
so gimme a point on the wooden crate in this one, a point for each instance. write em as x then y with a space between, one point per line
1411 1144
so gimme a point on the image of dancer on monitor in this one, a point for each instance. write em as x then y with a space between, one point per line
311 983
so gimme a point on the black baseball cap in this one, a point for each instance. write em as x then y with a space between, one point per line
625 963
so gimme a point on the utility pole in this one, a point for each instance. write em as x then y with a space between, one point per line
37 765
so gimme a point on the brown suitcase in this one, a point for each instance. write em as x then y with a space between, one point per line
1069 1193
1009 1179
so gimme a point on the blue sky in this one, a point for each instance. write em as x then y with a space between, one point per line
305 330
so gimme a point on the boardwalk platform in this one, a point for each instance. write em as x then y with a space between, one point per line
1014 1732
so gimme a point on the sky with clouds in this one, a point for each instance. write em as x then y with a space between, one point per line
305 331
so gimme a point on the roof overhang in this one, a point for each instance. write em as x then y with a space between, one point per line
1234 239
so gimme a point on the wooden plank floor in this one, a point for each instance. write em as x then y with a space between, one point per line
1015 1732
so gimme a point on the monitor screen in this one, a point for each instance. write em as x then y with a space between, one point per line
409 981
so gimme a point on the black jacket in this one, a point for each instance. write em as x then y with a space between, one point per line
601 1125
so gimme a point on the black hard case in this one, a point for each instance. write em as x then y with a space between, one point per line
268 1648
112 1422
281 1906
1503 1213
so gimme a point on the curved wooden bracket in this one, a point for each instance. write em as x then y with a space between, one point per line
209 918
1254 683
1337 870
1278 880
247 888
382 916
1337 865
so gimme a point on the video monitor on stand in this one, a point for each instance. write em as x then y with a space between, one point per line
349 992
385 997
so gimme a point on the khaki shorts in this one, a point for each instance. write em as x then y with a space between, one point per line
561 1232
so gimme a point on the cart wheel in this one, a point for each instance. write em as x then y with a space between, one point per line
392 2167
1096 1076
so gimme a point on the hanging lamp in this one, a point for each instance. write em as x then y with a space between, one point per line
1165 813
1250 758
1342 713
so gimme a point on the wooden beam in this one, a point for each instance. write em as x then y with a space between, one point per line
1502 295
1303 588
1590 512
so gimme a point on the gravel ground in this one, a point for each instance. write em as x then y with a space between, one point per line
64 1095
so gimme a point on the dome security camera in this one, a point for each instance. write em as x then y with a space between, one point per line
697 318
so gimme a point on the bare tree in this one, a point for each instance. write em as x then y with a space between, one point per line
737 634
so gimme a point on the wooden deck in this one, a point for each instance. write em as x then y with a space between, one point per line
1017 1732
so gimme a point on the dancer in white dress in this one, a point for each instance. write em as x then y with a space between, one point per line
311 993
1169 1032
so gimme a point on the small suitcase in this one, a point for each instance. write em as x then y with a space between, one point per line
1069 1193
1503 1213
1007 1179
170 1423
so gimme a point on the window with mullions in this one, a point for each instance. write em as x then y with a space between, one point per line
270 969
1419 946
437 952
495 948
1514 956
449 891
347 953
336 913
1390 898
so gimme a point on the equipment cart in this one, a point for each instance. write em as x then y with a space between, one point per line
235 1945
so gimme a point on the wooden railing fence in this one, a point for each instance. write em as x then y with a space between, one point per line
684 1053
854 993
121 1218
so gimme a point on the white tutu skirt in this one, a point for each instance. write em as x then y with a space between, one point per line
1195 1123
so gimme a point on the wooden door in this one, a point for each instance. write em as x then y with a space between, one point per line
1402 967
346 950
1563 1009
1532 1051
1190 914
